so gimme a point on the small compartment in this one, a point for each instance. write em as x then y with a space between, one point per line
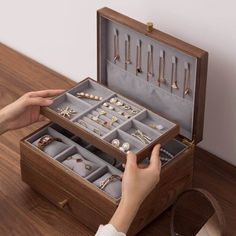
79 141
68 106
122 137
109 181
170 150
140 132
105 157
155 121
61 130
91 88
55 147
81 163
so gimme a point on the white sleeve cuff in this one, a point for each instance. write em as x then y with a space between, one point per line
108 230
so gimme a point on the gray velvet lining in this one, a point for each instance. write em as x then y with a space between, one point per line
71 149
90 87
148 93
114 188
92 154
135 145
175 108
134 125
55 147
70 101
148 117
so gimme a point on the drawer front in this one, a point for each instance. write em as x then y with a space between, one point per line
62 198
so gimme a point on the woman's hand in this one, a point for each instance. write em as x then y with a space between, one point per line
26 110
137 183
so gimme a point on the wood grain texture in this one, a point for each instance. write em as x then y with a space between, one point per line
20 206
58 184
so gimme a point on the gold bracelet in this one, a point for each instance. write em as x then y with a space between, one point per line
108 180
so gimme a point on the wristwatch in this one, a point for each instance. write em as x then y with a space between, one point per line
46 140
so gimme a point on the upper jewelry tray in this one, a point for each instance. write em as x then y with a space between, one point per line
158 71
110 121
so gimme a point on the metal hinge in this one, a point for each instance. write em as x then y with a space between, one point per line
189 142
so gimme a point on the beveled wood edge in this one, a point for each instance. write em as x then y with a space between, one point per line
200 98
201 56
211 199
59 167
155 34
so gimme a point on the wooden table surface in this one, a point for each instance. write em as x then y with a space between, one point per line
25 212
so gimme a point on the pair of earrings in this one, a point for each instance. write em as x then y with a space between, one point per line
117 144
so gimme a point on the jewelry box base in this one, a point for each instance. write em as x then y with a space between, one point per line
81 199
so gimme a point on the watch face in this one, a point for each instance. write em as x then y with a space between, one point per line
45 139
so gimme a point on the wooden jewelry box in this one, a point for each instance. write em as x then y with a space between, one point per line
150 89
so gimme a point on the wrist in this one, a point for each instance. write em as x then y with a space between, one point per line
130 204
3 122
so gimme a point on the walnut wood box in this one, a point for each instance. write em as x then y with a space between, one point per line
164 57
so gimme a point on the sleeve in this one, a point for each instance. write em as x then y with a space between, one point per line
108 230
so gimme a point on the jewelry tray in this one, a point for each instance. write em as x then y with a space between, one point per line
106 163
83 125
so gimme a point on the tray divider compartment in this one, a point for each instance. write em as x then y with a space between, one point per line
67 99
148 117
125 137
91 87
133 125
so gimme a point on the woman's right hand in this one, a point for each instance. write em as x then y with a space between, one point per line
138 182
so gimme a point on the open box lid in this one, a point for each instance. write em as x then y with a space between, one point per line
127 47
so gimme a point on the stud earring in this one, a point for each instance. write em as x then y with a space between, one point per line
125 147
113 120
113 100
158 127
115 143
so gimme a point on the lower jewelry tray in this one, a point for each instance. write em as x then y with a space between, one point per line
110 121
85 160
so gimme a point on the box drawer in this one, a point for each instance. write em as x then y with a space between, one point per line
63 199
71 182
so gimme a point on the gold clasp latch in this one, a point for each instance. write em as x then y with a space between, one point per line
149 27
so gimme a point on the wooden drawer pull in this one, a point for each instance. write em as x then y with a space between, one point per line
63 203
